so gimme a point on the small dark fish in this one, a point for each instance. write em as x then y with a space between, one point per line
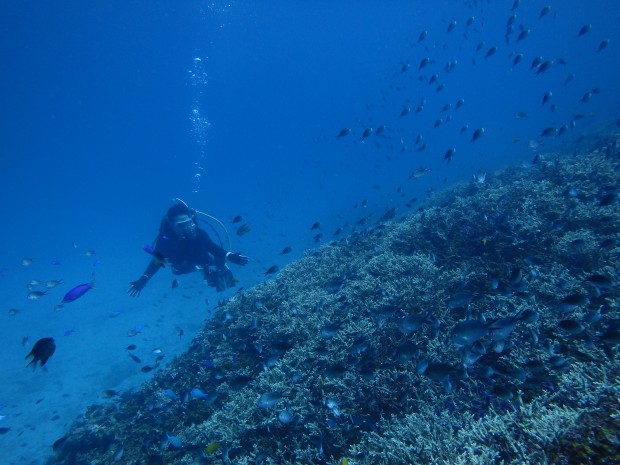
549 132
451 27
584 30
477 134
134 358
131 347
424 62
25 340
405 111
449 154
146 369
243 230
517 59
41 352
611 337
603 45
58 443
315 225
272 270
438 372
569 78
459 103
511 20
571 327
69 332
318 237
174 284
109 393
547 97
480 46
586 97
343 132
270 399
607 199
523 34
77 292
528 316
600 281
404 68
51 283
36 295
572 301
422 36
367 132
411 323
286 250
544 66
544 12
237 219
470 21
467 332
535 62
516 4
4 430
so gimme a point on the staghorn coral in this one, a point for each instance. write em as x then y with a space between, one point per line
522 241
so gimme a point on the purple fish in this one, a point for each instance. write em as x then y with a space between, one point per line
77 292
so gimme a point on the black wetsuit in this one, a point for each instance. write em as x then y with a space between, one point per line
185 255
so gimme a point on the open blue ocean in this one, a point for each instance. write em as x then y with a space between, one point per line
294 126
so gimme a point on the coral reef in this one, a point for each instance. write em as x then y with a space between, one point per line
353 352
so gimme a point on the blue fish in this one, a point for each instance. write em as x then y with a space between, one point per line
170 394
77 292
69 332
198 394
174 441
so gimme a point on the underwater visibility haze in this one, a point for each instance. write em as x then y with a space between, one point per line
427 192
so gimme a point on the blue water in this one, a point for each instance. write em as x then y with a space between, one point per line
111 110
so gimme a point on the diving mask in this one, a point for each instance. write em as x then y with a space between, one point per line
184 226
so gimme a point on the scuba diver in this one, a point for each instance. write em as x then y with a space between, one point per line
187 248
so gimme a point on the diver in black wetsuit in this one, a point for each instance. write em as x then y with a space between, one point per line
187 248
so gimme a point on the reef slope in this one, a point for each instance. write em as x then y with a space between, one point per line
354 353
